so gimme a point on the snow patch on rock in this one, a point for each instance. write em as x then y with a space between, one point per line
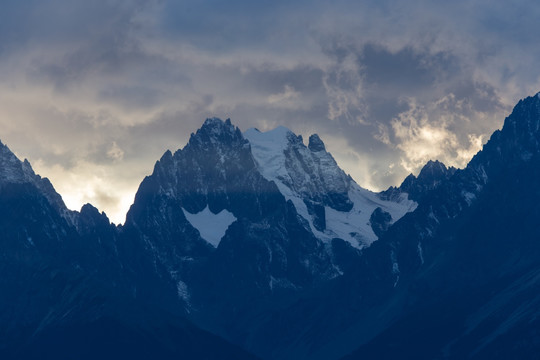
312 173
354 226
212 227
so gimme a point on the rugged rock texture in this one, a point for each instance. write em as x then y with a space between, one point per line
430 177
69 288
468 256
332 204
266 243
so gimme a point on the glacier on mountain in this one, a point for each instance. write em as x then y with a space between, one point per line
329 200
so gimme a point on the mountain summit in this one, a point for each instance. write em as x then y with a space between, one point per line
323 194
468 255
272 249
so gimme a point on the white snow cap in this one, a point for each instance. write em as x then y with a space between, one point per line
269 150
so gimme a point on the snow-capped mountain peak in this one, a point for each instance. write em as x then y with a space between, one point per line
331 202
216 130
12 169
15 171
315 143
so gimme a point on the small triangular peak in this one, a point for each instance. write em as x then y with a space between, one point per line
315 143
216 127
433 173
523 124
434 164
12 169
15 171
215 122
432 168
215 131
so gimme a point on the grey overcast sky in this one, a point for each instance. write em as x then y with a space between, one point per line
93 92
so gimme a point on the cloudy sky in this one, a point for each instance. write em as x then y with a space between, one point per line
93 92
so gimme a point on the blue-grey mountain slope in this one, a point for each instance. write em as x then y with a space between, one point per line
69 288
255 242
468 257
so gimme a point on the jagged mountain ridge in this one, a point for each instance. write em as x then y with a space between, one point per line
158 257
330 200
15 171
69 287
214 171
454 278
474 277
429 178
224 174
409 276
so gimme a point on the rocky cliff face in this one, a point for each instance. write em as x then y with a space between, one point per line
73 285
430 177
332 204
266 242
468 254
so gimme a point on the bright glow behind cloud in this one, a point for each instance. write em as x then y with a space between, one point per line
94 184
93 93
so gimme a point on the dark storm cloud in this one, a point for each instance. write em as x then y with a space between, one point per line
58 21
390 86
406 69
132 96
98 90
222 26
304 78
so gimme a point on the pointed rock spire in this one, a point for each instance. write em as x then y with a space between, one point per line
315 143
